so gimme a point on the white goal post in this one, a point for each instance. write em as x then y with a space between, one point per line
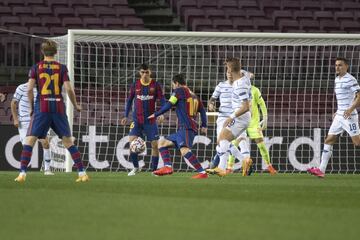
294 71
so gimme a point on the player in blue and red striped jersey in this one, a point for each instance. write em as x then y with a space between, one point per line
144 92
188 105
49 76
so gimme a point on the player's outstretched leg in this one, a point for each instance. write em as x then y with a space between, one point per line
195 162
266 156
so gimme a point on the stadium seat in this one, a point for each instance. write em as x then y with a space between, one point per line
51 21
13 3
230 13
243 25
79 3
30 21
85 12
356 15
110 22
182 4
329 25
43 31
281 14
302 15
264 24
290 5
133 22
22 11
248 5
21 29
41 11
72 22
330 6
58 31
10 20
5 11
339 16
113 3
64 12
323 15
350 6
310 5
58 3
200 23
223 24
191 13
227 4
213 13
255 14
105 11
350 26
285 25
94 3
125 11
205 4
309 25
34 2
269 5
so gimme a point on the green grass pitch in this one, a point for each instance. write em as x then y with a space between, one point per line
114 206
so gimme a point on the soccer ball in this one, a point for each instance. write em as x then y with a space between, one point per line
137 145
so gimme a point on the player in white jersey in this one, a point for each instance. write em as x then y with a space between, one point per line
20 110
238 120
223 93
346 118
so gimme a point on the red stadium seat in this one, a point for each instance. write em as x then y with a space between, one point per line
113 3
329 25
339 16
51 21
41 11
227 4
281 14
72 22
191 13
199 23
213 13
93 23
22 11
43 31
105 11
30 21
248 4
323 15
64 12
5 11
290 5
132 22
125 11
299 15
85 12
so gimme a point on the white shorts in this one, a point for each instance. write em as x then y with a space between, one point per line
220 125
350 125
240 124
23 128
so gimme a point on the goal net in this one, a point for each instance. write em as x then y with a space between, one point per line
295 73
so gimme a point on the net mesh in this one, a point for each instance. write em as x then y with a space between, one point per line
294 73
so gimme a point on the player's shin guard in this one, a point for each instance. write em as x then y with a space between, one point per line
194 161
165 155
134 159
264 152
325 156
75 155
25 157
223 153
154 162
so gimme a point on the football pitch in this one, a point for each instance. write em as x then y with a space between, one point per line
115 206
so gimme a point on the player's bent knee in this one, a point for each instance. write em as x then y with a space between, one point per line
67 142
45 143
184 150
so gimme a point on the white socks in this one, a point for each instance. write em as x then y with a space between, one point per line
47 160
325 156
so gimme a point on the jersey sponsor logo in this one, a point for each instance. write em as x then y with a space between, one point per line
152 90
144 97
52 99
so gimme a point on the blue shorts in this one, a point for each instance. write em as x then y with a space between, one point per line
150 130
182 138
41 123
